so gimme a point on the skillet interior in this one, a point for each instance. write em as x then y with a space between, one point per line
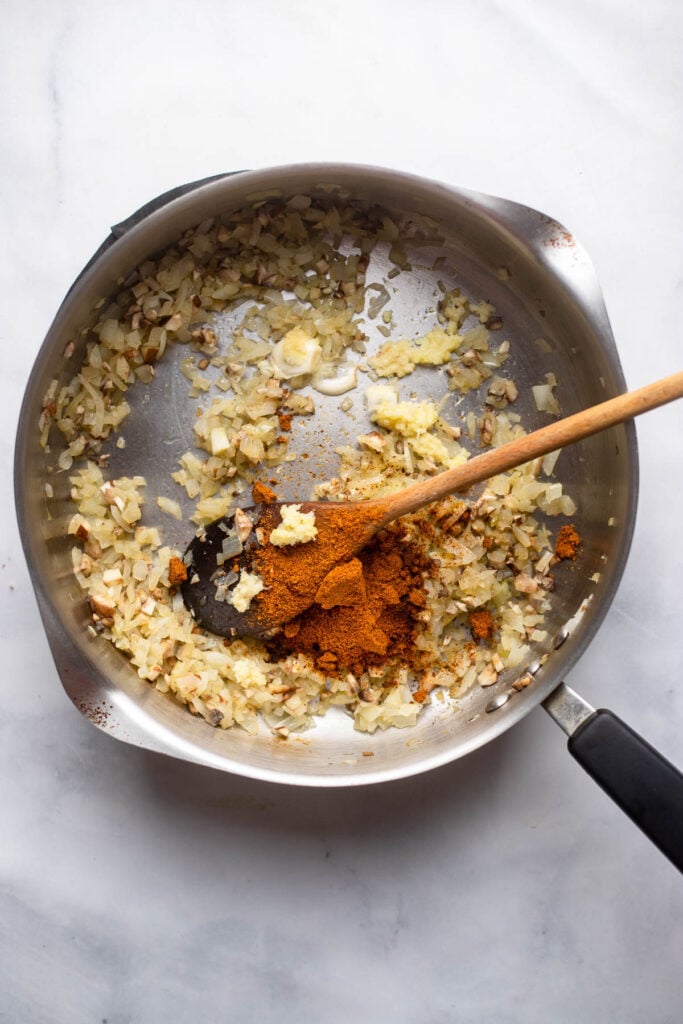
549 293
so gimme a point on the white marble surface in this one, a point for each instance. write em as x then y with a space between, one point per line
504 888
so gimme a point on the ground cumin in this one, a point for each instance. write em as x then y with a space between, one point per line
292 574
177 571
481 624
347 608
262 493
343 585
375 615
567 543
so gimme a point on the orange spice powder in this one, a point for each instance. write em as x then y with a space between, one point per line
177 571
292 574
365 611
481 624
567 543
262 493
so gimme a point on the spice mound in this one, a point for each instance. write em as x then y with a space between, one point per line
366 611
567 542
292 573
481 624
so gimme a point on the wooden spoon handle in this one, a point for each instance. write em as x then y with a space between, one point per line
532 446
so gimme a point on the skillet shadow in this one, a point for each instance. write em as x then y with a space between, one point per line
198 798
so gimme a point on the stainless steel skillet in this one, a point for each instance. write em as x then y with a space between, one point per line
544 287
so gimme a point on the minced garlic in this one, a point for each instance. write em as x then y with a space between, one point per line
436 347
246 588
296 353
399 358
394 359
247 673
427 446
410 419
296 527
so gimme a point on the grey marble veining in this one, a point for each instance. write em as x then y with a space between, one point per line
503 889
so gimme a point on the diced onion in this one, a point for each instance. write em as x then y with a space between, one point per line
296 353
379 394
377 302
171 507
230 548
339 385
549 461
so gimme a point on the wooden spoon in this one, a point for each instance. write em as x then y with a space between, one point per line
346 527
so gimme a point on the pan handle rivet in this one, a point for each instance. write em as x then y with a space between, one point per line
497 702
560 638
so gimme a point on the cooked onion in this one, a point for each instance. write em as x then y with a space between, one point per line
335 385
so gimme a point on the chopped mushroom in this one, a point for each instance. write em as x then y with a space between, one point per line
243 524
102 606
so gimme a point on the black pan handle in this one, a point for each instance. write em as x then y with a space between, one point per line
166 197
637 777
